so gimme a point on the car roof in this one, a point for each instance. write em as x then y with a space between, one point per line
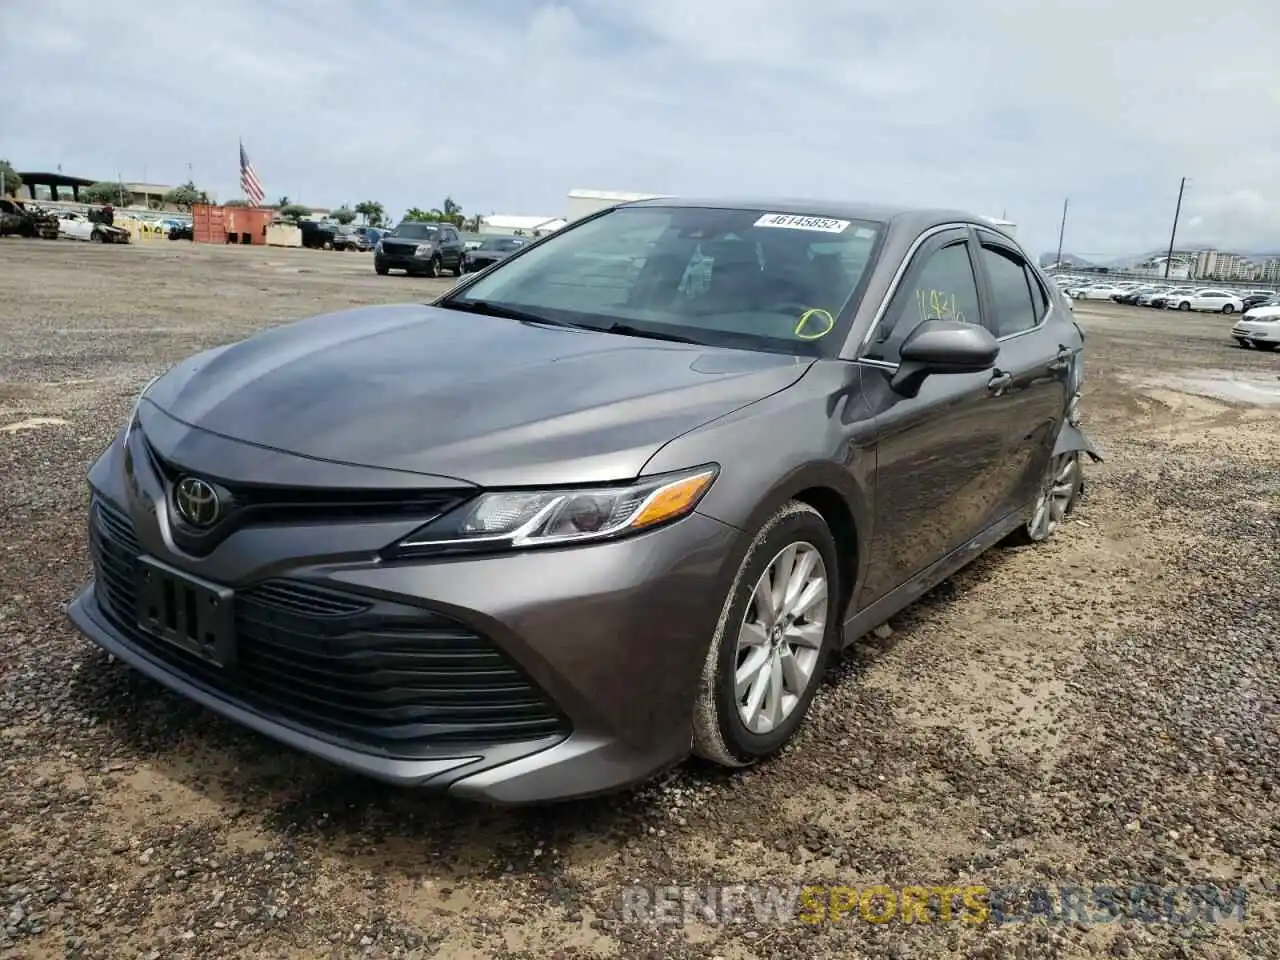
906 216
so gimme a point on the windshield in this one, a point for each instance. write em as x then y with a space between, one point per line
416 231
504 244
739 278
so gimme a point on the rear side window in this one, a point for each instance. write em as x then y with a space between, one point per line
943 289
1017 299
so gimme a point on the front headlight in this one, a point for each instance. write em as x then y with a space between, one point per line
535 518
422 250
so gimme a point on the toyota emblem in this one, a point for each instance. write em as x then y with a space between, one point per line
197 502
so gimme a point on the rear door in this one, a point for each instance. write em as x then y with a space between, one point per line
1036 344
937 454
451 247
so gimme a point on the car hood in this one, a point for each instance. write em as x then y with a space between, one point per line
1263 313
491 254
490 401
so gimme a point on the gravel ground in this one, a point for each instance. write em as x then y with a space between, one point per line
1098 711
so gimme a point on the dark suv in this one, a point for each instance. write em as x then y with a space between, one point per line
420 248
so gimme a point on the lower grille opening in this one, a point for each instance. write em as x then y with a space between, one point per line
396 679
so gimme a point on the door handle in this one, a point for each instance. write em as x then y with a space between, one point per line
999 382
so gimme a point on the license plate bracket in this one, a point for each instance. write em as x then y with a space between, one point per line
192 614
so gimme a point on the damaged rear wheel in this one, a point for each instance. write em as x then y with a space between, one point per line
1059 490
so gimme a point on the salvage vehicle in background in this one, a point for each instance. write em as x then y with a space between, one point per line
420 248
1259 326
1162 300
541 537
490 251
1097 291
1206 300
18 219
76 226
318 235
346 238
1255 298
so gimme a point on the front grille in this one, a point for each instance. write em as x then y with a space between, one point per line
394 678
262 504
399 249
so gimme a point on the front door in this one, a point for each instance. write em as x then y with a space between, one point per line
937 454
1035 347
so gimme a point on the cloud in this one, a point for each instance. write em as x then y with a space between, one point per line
508 104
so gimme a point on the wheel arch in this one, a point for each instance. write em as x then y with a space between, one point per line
837 496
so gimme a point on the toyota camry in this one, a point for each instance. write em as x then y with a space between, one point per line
614 500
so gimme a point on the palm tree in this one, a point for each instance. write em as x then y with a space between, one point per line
372 212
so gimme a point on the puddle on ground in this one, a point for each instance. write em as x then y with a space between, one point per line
1261 389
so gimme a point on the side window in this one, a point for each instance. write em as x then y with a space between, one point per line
1038 293
943 288
1010 291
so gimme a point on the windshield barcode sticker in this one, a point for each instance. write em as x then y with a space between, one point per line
789 221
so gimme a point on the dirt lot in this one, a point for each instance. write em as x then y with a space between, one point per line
1102 710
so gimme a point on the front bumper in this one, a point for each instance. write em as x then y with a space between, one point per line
611 635
1257 332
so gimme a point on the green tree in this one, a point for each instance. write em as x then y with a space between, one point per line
473 224
373 212
238 202
106 192
12 182
283 202
448 212
185 196
294 211
344 215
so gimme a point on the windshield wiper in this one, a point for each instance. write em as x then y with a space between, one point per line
627 330
491 309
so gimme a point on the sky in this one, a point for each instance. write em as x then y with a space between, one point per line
994 106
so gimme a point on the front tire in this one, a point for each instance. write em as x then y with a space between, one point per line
1265 345
775 634
460 269
1184 306
433 268
381 269
95 236
1228 308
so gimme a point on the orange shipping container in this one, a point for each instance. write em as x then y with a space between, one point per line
210 224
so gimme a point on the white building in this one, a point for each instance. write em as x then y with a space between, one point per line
584 202
506 225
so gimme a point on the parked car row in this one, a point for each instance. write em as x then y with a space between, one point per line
1165 296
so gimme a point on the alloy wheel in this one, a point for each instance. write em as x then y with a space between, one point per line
781 637
1057 493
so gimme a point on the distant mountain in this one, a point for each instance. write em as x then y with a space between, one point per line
1068 259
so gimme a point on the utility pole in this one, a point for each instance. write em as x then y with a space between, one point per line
1177 211
1057 263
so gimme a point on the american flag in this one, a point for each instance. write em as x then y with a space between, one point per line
249 181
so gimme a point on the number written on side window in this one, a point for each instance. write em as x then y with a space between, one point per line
942 289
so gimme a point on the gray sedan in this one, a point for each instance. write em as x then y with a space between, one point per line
618 497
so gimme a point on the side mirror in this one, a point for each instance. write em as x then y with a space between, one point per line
943 346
